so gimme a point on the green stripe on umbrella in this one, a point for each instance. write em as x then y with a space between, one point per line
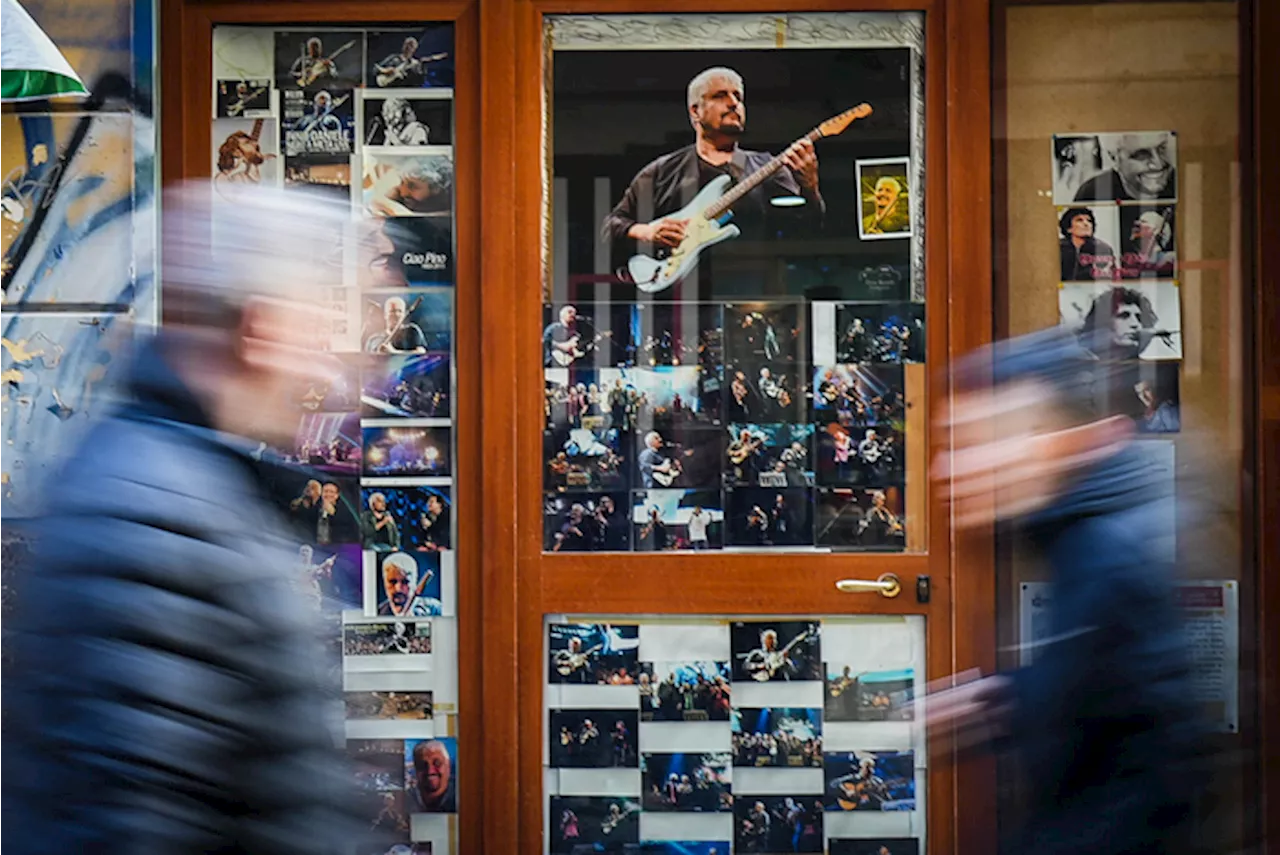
31 66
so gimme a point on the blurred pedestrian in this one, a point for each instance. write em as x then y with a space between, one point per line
1103 720
167 694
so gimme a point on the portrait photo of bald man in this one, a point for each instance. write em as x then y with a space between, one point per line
1116 167
885 210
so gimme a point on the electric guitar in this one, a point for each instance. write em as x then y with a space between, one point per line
306 123
709 213
567 663
666 479
761 664
236 108
611 823
741 452
314 70
565 358
842 685
402 69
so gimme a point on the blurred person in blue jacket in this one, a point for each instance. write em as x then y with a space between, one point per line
1103 721
167 695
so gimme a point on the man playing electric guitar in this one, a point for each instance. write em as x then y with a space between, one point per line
767 661
573 661
562 340
403 68
718 114
313 64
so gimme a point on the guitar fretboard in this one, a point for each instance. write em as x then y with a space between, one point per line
752 181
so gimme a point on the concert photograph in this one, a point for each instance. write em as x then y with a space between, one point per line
378 769
586 522
404 252
870 781
585 459
587 335
415 184
776 651
764 394
685 847
412 322
775 824
778 209
668 397
590 398
594 739
678 334
1147 392
421 519
326 443
404 119
859 396
860 457
593 654
388 706
683 458
406 585
762 517
873 846
406 387
762 333
870 519
1133 320
677 520
318 127
878 333
697 783
685 691
331 576
386 638
331 181
869 696
410 58
322 509
768 455
593 823
243 99
407 451
318 59
337 392
777 736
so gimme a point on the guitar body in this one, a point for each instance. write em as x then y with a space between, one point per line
392 76
652 275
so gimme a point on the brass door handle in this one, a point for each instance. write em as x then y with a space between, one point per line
888 585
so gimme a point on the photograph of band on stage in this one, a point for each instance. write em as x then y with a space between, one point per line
677 519
594 738
686 782
770 455
683 334
685 691
866 518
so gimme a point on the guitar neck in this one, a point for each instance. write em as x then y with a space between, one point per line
752 181
257 129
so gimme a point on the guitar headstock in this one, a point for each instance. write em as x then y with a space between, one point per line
836 124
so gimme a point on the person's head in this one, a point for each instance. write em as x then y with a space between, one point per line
653 439
237 147
433 768
322 101
242 89
606 504
1116 320
330 493
779 501
399 575
878 499
1024 418
1146 393
435 504
1147 226
314 47
569 314
1144 162
410 45
887 191
312 490
653 514
304 554
397 112
697 510
242 329
769 639
393 311
422 178
871 434
716 103
1077 223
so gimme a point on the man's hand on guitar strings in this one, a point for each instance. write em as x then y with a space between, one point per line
802 158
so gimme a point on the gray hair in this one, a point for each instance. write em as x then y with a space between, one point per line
698 85
436 171
394 108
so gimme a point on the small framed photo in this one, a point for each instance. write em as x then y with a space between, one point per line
777 736
410 58
412 450
390 638
594 654
243 99
870 781
685 691
594 739
677 519
407 585
431 775
762 333
586 522
678 334
884 198
769 455
585 459
858 396
776 651
409 387
593 823
869 695
687 783
778 823
763 517
388 706
405 118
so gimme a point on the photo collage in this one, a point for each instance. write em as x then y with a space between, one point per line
363 117
1116 198
728 425
725 736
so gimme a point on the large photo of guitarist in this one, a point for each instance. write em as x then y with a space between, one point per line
407 323
776 651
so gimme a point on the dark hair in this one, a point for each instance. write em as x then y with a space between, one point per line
1105 305
1064 222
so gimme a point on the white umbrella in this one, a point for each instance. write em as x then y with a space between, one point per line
31 66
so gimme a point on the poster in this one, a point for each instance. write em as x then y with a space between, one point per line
1211 612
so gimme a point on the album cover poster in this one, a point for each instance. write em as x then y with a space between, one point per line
431 775
870 781
873 846
586 459
776 651
761 517
318 59
885 197
411 322
409 451
591 739
243 99
593 654
858 396
1115 167
677 520
404 252
593 823
687 782
777 736
388 706
1122 321
773 823
870 519
387 639
406 585
795 231
405 118
415 184
421 519
411 387
410 58
685 691
319 127
245 152
586 522
869 695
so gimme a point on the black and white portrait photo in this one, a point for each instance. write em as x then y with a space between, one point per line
1087 238
1147 235
1135 320
1115 167
406 119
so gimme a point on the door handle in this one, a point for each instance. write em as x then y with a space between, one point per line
888 585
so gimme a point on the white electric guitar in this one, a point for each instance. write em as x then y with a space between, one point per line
709 213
